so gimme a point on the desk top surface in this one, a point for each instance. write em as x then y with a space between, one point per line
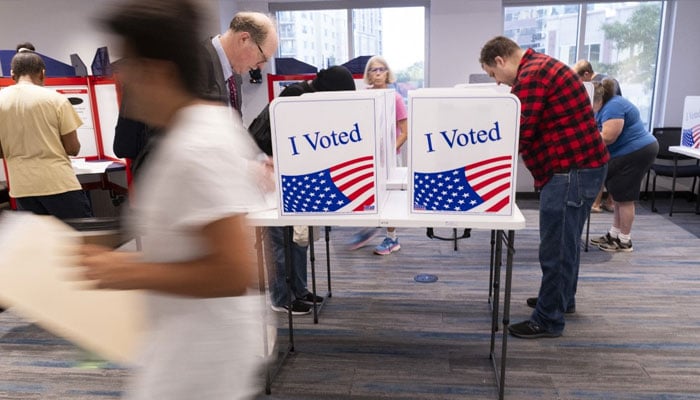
83 167
686 151
398 179
395 214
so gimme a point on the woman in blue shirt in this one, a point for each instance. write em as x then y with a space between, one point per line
632 152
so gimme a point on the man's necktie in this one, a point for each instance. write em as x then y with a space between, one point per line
233 93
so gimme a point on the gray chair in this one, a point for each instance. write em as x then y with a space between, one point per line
672 165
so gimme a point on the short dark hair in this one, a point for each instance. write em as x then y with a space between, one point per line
246 22
166 30
26 63
332 79
500 46
25 46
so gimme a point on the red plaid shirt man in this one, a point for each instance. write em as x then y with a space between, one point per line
557 129
558 135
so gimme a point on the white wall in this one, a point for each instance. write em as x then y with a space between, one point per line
58 28
458 30
683 77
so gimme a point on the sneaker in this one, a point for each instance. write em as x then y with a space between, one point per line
616 246
532 302
603 239
309 299
361 238
530 330
387 247
298 308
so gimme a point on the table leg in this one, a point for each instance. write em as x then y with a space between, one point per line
492 263
500 373
328 259
496 267
261 288
312 259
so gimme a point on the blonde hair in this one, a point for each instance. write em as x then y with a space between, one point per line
390 78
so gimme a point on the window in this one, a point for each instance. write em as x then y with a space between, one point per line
620 40
373 31
286 46
591 52
571 59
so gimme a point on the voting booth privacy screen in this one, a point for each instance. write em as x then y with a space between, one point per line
691 122
463 147
95 101
330 151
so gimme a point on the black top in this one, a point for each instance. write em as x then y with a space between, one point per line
260 127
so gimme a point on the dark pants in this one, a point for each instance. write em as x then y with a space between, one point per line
274 242
565 203
73 204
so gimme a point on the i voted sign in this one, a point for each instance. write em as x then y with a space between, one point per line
327 153
691 122
463 147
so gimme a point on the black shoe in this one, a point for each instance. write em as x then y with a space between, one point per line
298 308
530 330
616 246
603 239
309 299
532 302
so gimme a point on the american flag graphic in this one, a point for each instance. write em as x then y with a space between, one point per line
691 137
345 187
483 186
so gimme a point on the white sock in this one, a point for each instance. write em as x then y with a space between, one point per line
614 232
624 238
391 235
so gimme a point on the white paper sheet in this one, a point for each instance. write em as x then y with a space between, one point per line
38 280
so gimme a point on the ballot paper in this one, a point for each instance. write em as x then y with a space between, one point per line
39 281
82 166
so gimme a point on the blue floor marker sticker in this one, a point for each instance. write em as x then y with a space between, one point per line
425 278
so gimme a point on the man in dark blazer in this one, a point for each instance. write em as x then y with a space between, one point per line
249 42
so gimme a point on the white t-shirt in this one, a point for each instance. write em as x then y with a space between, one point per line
197 348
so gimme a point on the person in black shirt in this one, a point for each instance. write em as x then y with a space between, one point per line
331 79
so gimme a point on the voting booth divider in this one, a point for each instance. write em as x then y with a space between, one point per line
331 151
463 147
95 99
334 151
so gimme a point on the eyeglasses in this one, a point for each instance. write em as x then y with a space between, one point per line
264 60
377 70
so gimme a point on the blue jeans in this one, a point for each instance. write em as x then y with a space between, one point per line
274 241
565 203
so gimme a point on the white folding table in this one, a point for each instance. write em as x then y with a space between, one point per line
395 213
